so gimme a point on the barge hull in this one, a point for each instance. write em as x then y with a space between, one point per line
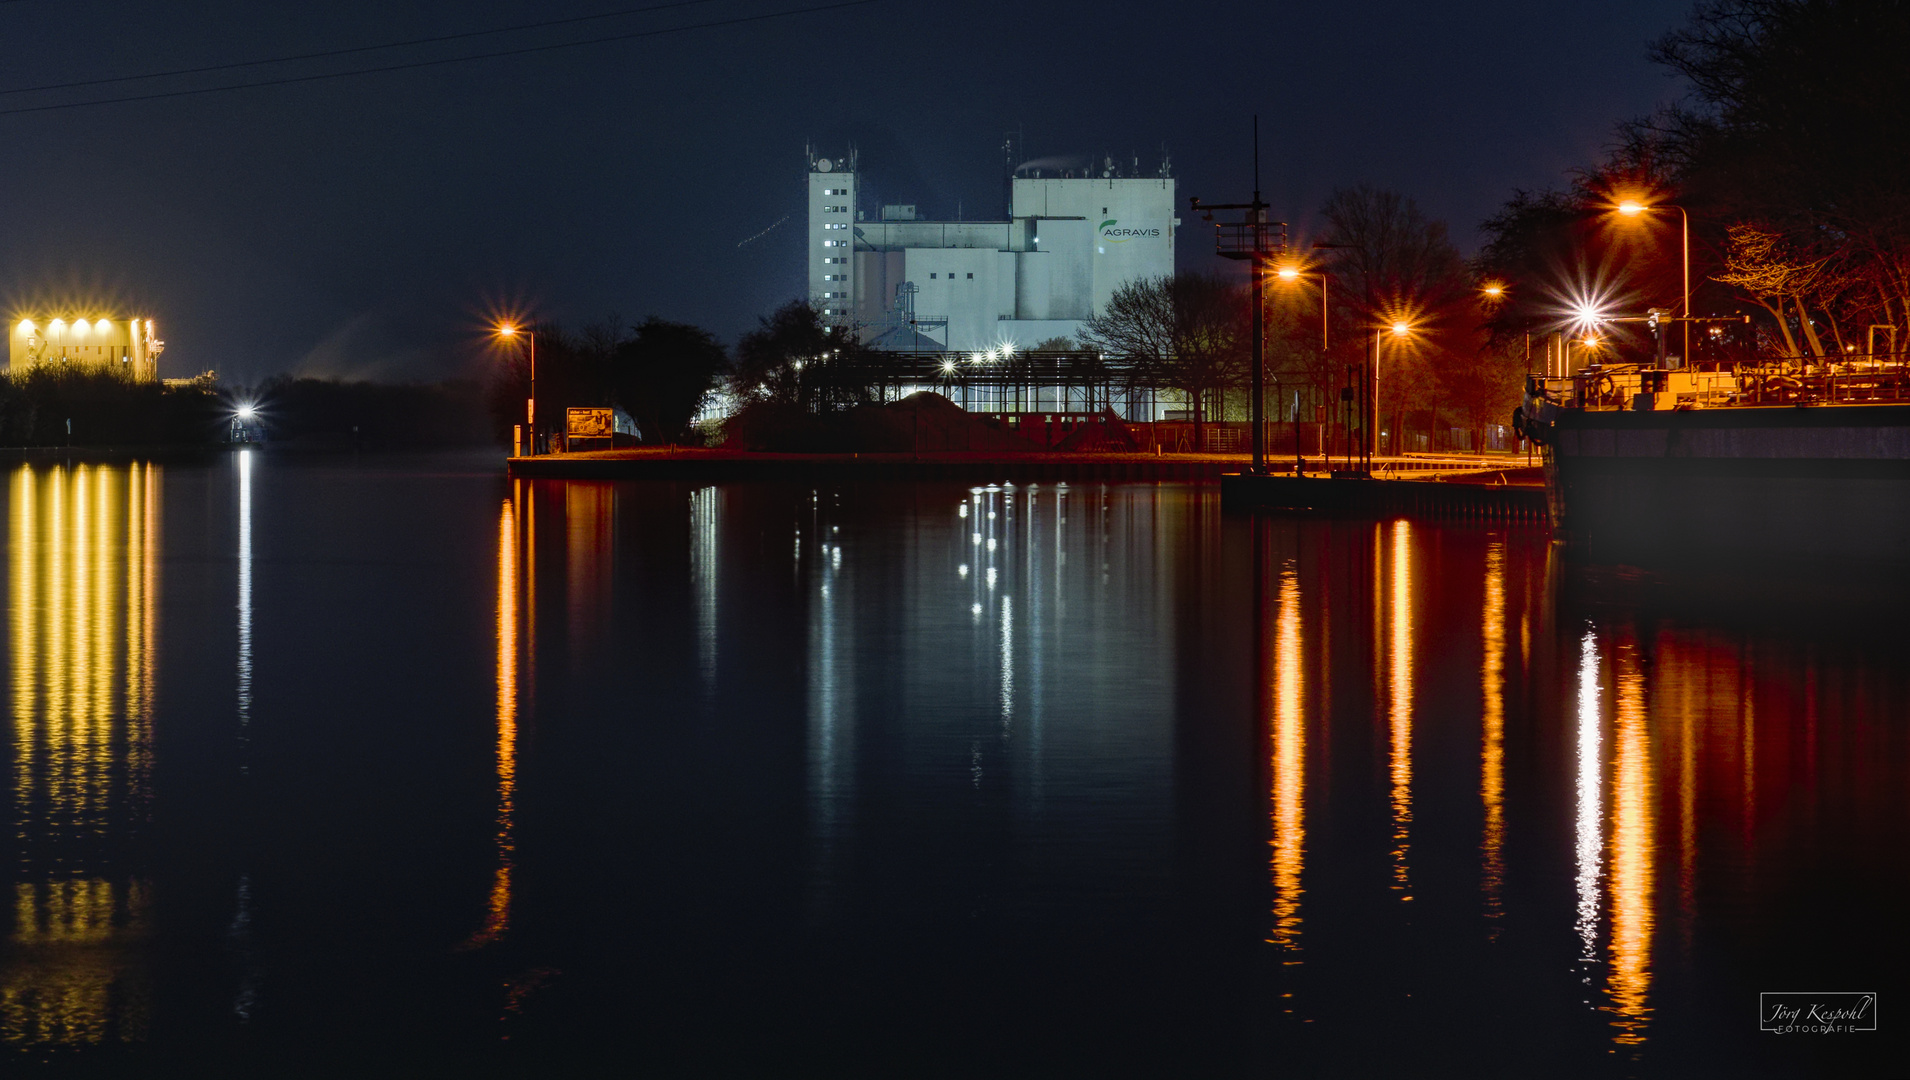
1823 481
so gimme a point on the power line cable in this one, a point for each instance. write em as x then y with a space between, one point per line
352 50
767 231
526 50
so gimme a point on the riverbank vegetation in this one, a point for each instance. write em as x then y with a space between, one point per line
330 414
660 373
71 406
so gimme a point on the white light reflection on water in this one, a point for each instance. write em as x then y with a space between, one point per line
831 712
1037 689
1589 819
705 520
244 464
1007 664
239 935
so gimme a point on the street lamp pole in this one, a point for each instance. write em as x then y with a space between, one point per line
1293 273
510 330
1685 238
1369 446
1369 376
1258 388
1258 240
1630 208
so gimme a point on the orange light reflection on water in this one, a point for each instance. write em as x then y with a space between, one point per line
497 918
1633 848
1492 751
1399 666
1289 765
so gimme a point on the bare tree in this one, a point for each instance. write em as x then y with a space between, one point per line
1183 332
1397 266
794 358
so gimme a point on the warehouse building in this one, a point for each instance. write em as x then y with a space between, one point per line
1072 236
117 343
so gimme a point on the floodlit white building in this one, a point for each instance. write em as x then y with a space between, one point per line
1069 241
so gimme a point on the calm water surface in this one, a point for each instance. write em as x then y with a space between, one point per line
396 765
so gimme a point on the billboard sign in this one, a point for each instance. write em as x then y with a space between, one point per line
589 423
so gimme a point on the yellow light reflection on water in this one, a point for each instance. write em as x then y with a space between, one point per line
1289 765
1632 850
22 608
1399 667
83 584
1492 752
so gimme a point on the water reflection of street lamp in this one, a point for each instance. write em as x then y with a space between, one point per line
511 330
1633 208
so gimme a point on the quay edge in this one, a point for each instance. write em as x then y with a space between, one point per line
1512 502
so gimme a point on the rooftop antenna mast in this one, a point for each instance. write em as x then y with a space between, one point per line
1258 240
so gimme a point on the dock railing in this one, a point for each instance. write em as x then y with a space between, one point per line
1853 379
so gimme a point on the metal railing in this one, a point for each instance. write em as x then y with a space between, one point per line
1856 379
1239 240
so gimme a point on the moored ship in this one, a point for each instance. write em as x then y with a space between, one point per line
1792 460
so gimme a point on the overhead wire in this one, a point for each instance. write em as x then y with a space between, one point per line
440 61
328 53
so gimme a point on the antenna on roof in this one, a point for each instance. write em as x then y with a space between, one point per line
1256 157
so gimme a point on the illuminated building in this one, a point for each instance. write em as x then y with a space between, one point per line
90 340
1074 234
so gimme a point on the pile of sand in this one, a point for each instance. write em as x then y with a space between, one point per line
921 422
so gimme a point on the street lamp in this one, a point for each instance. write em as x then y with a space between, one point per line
1369 405
1633 208
1399 329
511 330
1294 273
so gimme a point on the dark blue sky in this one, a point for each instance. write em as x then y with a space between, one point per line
363 226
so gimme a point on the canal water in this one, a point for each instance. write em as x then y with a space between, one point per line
396 765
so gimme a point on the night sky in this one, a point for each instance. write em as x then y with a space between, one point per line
364 227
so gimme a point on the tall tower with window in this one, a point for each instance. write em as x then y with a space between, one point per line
832 215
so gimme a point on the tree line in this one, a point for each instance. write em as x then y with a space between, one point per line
1787 156
57 405
664 374
1386 264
